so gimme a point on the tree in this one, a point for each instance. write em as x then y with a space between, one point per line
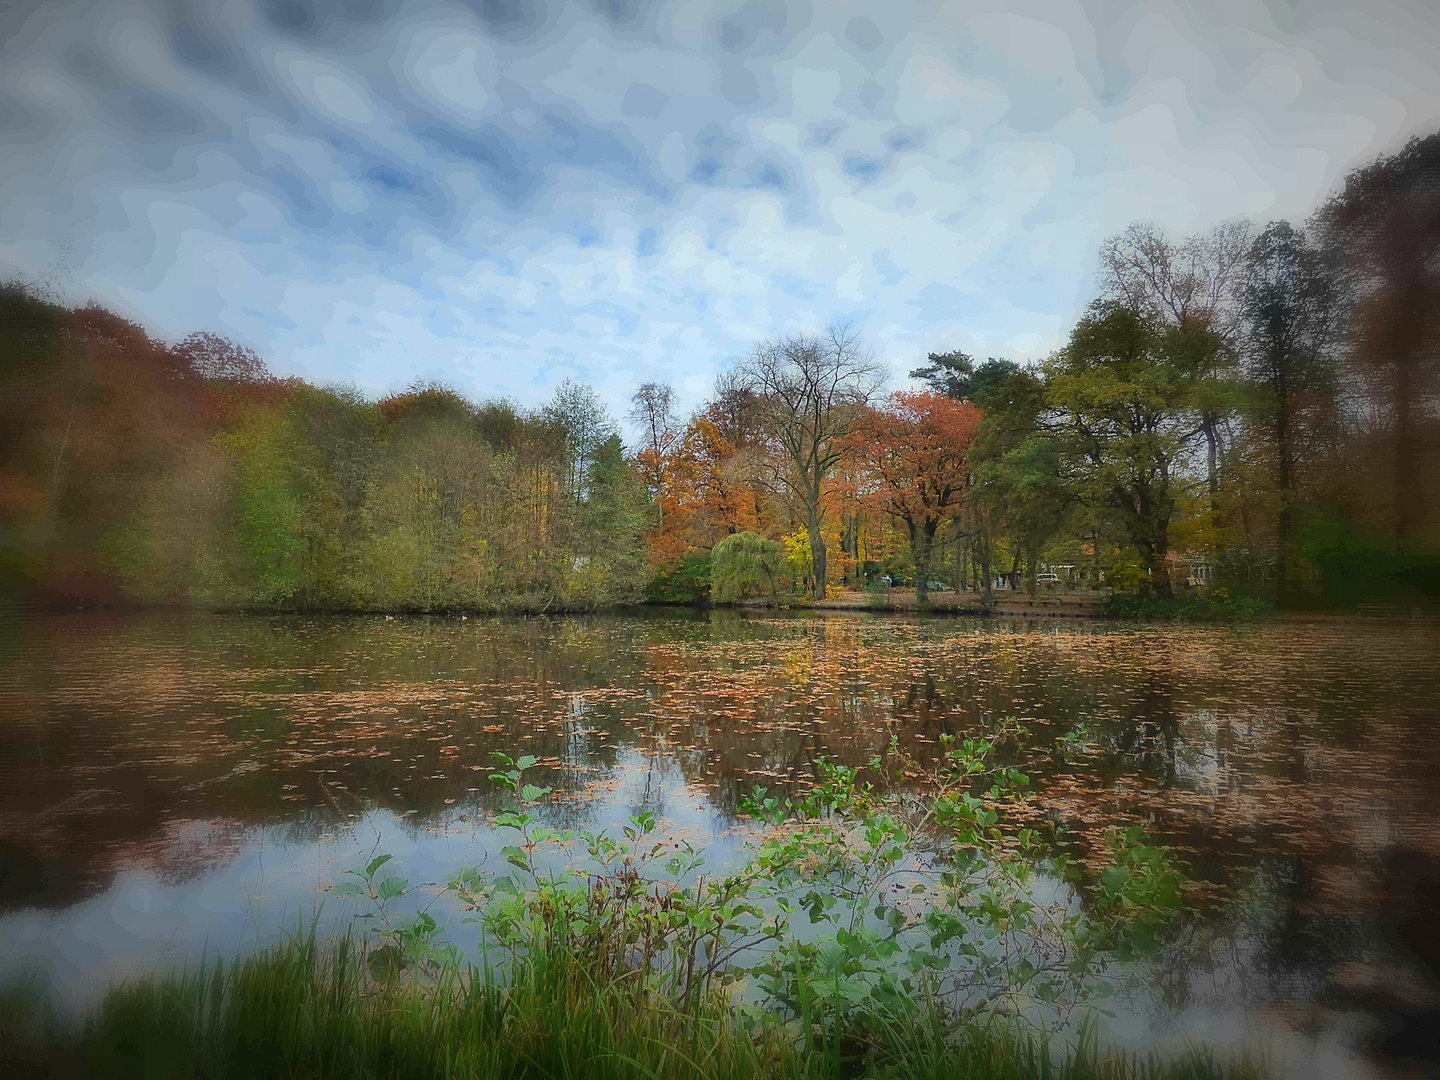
1289 306
948 373
1121 408
915 451
810 390
1193 288
1383 230
214 358
955 375
1015 468
654 413
576 410
609 565
745 565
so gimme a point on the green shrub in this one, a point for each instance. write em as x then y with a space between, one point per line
685 582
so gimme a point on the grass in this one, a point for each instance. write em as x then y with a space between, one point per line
313 1011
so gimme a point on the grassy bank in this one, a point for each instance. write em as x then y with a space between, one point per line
302 1010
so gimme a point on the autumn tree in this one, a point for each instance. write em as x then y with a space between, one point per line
915 450
1383 230
810 390
988 385
653 412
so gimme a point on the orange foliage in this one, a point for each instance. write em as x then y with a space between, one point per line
915 452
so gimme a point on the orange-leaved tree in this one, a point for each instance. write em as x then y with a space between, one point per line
915 450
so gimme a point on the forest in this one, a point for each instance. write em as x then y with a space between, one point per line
1251 413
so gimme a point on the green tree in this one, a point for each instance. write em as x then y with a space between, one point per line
576 410
609 560
265 545
1122 409
427 550
1192 289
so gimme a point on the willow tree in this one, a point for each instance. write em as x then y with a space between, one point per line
810 391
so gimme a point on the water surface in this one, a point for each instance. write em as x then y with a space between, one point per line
173 785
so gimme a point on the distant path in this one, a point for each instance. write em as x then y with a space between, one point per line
1046 604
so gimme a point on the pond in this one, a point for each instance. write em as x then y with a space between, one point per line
177 785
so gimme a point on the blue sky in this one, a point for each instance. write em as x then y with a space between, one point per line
504 193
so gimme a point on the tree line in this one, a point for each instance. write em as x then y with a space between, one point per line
1254 407
136 472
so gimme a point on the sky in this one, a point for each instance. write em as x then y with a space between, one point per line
502 194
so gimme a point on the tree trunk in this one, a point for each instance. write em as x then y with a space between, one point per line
1285 538
986 590
1212 472
1158 565
922 538
817 554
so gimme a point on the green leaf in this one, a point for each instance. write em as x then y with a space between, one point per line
376 863
531 793
1114 877
527 762
392 887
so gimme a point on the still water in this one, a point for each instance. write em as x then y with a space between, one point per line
175 786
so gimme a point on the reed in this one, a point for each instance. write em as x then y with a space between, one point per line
309 1009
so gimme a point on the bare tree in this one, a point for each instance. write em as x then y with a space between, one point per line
213 357
653 411
1193 284
810 390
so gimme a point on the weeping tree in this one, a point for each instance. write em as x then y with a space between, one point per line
745 565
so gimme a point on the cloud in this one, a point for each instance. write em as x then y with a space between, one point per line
507 193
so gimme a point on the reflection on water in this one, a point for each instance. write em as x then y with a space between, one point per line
171 784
